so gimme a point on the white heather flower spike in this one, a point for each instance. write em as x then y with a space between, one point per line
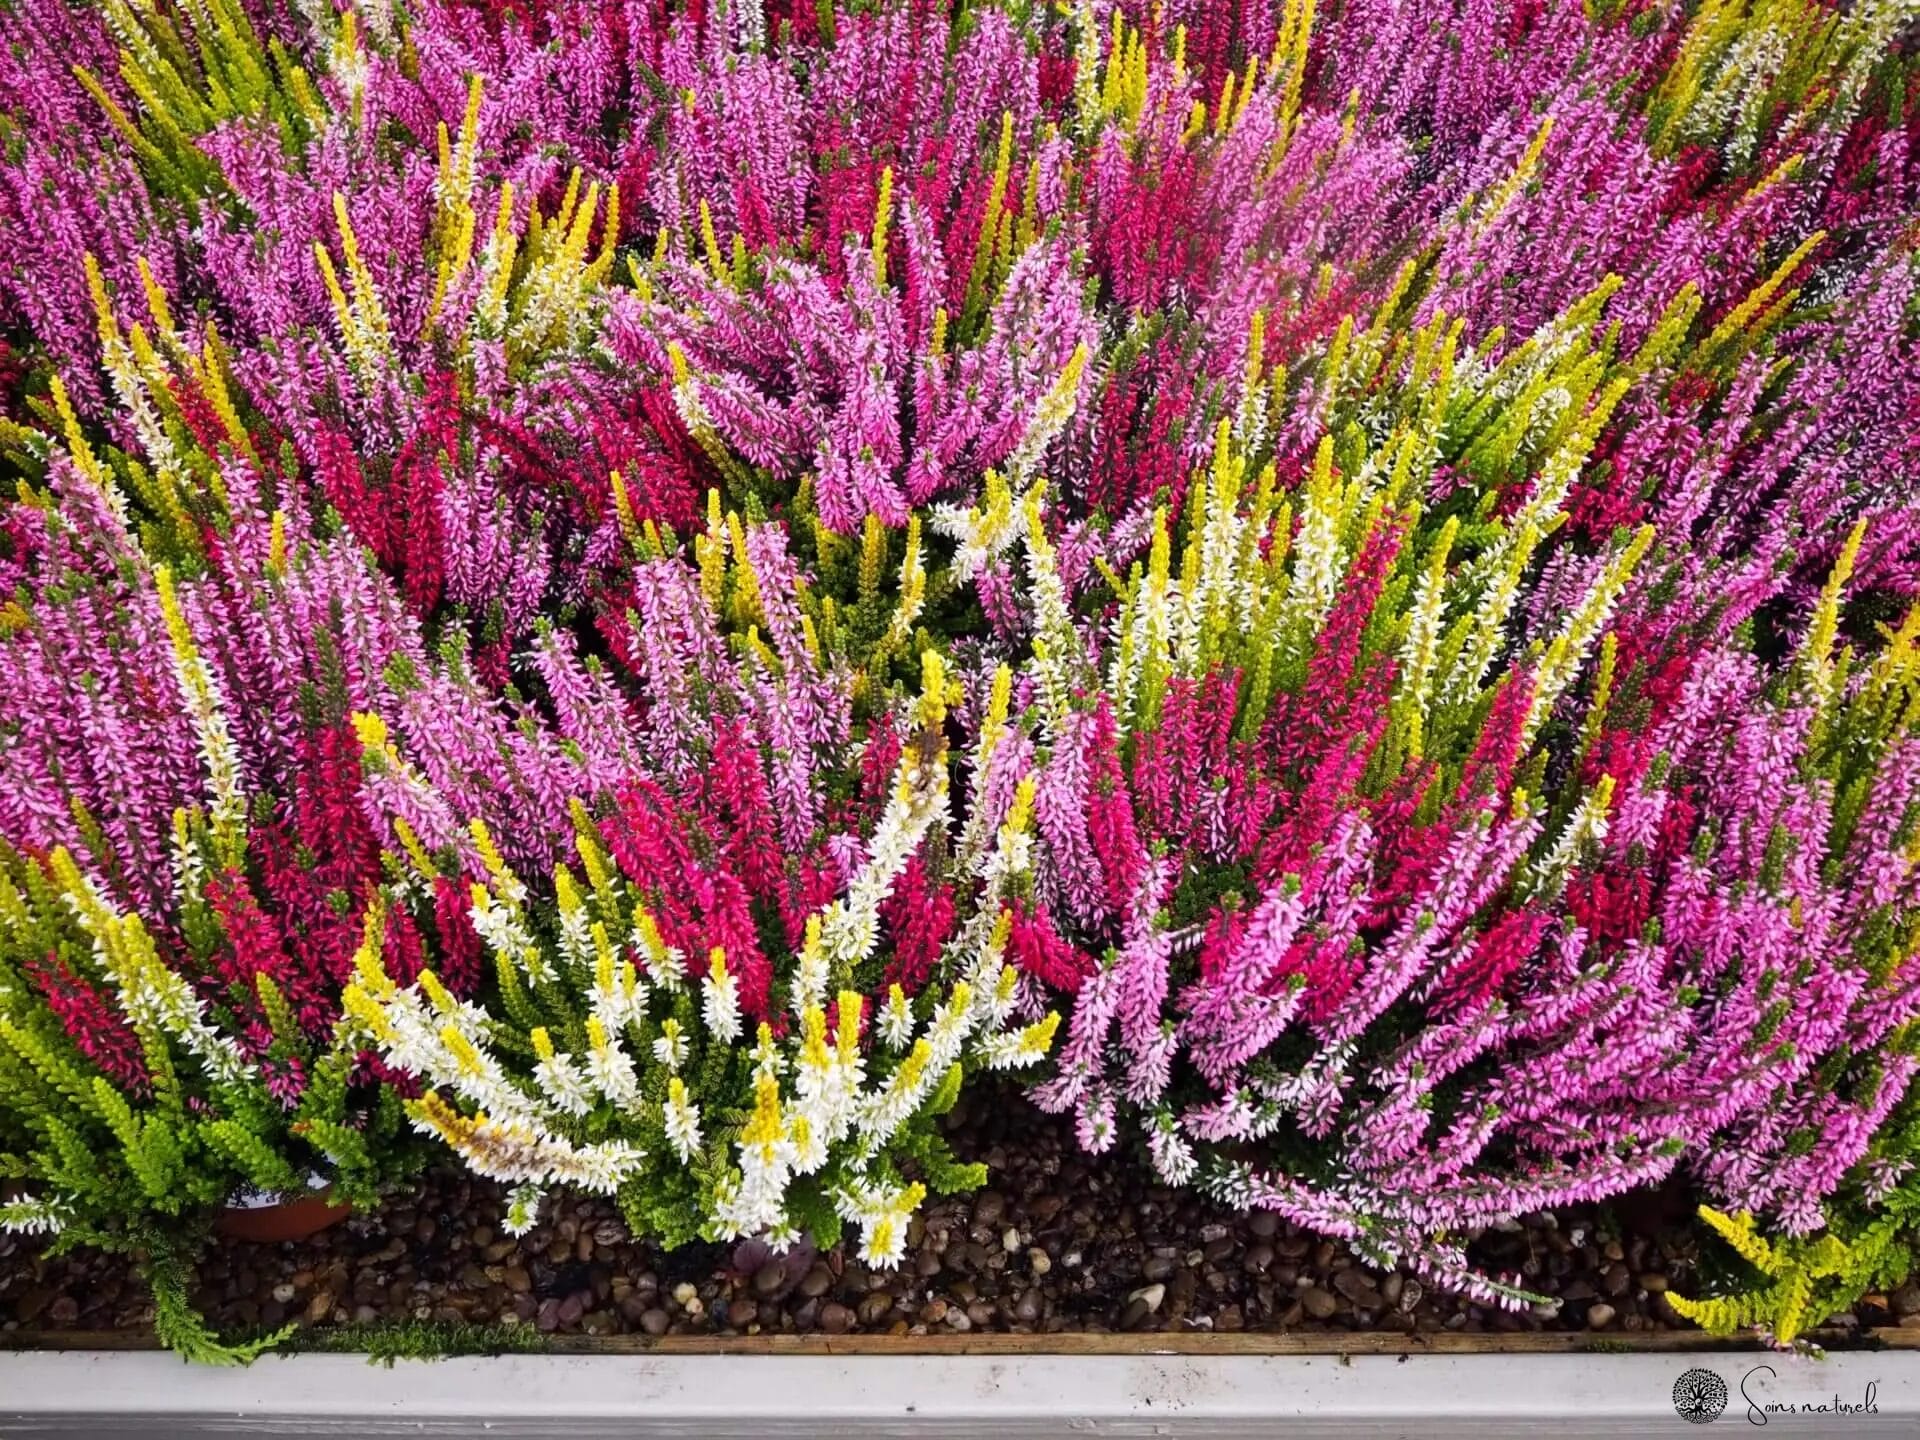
671 1048
896 1020
682 1120
720 999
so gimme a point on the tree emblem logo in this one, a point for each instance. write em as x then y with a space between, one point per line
1699 1396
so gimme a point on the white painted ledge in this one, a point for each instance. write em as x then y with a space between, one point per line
98 1394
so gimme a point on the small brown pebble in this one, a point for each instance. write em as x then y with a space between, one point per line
320 1307
874 1306
1258 1258
770 1279
32 1304
835 1318
1599 1316
988 1207
1358 1287
518 1280
816 1282
1653 1282
64 1311
1320 1305
934 1311
742 1313
1264 1223
655 1321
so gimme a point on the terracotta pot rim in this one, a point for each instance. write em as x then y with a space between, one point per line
298 1218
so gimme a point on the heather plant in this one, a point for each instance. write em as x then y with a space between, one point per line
132 1109
648 588
729 888
180 853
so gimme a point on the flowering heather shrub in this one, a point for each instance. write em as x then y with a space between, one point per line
649 586
616 1060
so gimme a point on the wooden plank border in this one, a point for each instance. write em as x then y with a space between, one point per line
1069 1343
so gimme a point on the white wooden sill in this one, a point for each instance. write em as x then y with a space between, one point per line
113 1394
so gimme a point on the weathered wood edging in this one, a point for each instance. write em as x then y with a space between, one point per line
1359 1342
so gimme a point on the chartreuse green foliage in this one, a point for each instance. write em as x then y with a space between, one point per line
1805 1279
193 70
139 1115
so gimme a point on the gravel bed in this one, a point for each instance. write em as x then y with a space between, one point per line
1057 1241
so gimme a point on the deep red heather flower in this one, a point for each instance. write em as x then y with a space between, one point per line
919 917
256 946
418 483
1488 960
698 903
1037 949
1110 821
12 374
459 953
740 810
97 1028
